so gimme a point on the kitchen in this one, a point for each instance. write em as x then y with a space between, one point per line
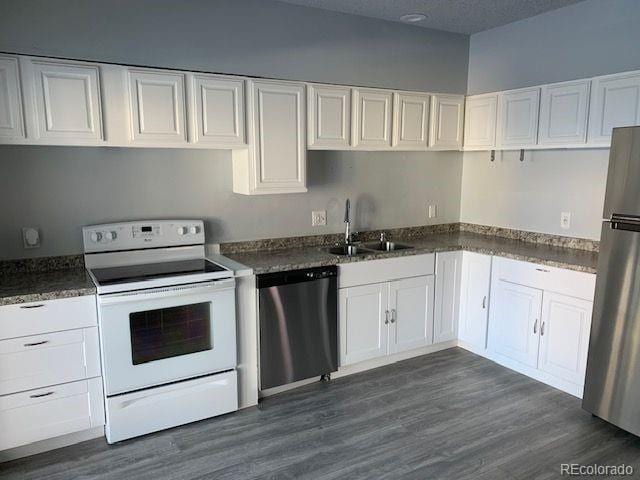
229 136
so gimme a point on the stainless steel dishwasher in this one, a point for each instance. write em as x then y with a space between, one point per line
298 313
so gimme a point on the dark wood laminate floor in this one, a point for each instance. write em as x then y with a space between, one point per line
451 414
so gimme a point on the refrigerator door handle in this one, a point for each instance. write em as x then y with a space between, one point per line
625 222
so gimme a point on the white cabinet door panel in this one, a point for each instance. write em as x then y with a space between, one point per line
615 102
410 124
364 322
515 321
219 110
157 107
372 118
564 109
411 307
518 118
480 117
447 299
564 336
11 116
446 124
474 298
329 121
68 103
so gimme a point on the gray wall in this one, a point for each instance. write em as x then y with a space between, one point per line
60 189
250 37
589 38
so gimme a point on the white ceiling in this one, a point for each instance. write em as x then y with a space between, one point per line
460 16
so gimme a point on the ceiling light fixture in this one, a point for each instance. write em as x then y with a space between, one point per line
412 17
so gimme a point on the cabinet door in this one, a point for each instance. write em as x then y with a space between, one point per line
411 307
219 110
563 113
474 298
518 118
480 117
615 102
410 121
329 121
372 118
11 119
279 116
515 321
446 124
364 322
445 325
564 336
157 107
68 104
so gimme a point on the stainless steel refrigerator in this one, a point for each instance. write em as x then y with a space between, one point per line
612 386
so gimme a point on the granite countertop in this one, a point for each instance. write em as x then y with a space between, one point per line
38 286
265 261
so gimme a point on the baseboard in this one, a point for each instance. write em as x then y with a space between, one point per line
51 444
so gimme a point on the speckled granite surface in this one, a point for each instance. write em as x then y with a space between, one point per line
25 287
264 261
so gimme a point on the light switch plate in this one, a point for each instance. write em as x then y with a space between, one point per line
565 220
30 237
318 218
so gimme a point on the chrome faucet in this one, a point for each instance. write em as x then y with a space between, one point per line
347 223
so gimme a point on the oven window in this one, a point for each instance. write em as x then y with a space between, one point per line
170 332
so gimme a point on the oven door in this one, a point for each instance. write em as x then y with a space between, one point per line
162 335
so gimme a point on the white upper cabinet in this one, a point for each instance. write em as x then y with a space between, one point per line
474 299
411 313
518 118
446 124
480 117
67 101
564 108
219 109
11 118
329 117
447 300
410 121
372 118
615 102
157 102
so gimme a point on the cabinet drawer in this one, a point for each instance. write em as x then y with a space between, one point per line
560 280
49 359
45 413
36 318
376 271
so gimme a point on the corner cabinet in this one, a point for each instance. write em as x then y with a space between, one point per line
475 284
277 161
480 116
446 125
11 115
448 268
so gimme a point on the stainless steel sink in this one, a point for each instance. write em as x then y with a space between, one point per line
348 250
387 246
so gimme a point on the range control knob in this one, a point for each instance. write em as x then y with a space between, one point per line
95 236
193 230
182 230
109 236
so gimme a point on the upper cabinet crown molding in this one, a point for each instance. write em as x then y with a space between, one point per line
410 120
518 117
446 125
157 101
11 115
480 117
329 117
564 108
372 118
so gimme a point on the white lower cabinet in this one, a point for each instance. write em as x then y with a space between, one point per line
475 284
445 325
411 313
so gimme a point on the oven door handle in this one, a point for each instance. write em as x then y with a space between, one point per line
163 292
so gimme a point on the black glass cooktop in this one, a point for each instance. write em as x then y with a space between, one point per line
151 271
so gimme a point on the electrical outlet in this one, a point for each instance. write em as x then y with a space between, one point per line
318 218
565 220
30 237
432 211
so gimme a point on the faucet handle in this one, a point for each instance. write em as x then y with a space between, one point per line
383 237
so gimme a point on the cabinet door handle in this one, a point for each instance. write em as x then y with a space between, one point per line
393 315
386 317
35 344
535 326
543 270
32 306
38 395
484 302
542 329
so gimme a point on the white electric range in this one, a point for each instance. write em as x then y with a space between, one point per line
167 325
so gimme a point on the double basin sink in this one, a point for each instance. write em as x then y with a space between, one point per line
354 250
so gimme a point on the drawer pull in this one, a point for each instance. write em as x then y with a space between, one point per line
38 395
35 344
32 306
543 270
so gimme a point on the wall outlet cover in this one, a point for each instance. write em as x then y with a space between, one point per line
30 237
432 211
318 218
565 220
